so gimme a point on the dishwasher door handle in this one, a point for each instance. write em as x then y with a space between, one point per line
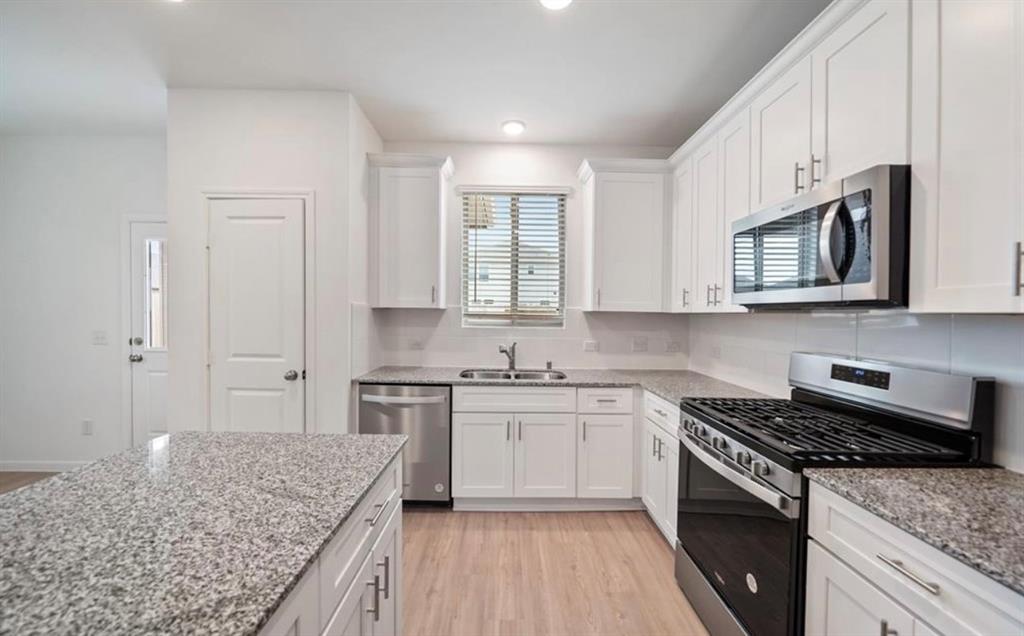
400 400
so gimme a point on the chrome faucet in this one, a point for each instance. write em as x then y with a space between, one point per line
510 353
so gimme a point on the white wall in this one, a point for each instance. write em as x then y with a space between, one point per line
753 351
257 140
438 338
62 203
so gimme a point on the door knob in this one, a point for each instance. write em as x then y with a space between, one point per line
135 357
291 375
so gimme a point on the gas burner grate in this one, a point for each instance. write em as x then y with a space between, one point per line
805 432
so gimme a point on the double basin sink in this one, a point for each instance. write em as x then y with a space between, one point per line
504 374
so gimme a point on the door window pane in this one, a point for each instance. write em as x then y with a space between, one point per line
156 294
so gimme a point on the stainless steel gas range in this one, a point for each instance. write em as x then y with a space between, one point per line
741 527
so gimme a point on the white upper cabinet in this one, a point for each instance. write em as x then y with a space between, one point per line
682 293
707 222
780 133
861 75
734 183
967 162
407 222
625 220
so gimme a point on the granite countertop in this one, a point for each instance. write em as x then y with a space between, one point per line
196 533
973 514
666 384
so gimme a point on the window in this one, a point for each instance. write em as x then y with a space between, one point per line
513 258
156 294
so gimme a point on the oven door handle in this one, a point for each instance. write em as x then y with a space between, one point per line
780 502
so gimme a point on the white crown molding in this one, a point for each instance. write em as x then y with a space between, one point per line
590 166
505 189
408 160
793 52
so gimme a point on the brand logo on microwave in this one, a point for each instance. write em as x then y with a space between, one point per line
788 206
719 577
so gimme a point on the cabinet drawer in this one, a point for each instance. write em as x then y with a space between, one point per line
662 413
962 600
605 401
340 559
513 399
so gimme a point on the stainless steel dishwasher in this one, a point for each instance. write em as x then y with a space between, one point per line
424 414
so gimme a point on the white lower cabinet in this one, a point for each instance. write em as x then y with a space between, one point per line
482 455
660 457
353 616
545 455
604 468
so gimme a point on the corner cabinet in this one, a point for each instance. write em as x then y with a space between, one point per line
408 195
625 210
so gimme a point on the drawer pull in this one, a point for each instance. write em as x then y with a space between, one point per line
661 413
899 567
381 507
375 610
386 564
886 630
607 400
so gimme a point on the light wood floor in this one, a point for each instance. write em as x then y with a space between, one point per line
483 574
10 480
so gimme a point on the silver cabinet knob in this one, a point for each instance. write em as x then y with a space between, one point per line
135 357
291 375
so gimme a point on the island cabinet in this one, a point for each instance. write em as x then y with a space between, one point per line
408 195
355 585
866 576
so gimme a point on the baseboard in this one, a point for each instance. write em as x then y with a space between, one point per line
540 504
40 466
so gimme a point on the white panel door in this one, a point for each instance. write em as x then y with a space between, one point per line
734 180
545 455
780 137
856 128
482 455
257 335
604 463
840 602
683 287
410 210
629 235
967 157
353 616
148 339
653 473
708 225
387 564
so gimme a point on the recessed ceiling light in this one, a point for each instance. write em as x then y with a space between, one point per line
555 5
513 127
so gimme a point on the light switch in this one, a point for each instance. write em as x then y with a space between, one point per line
590 346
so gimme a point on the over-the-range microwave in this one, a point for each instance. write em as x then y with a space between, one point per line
843 244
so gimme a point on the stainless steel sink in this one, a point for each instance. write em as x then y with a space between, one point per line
539 375
485 374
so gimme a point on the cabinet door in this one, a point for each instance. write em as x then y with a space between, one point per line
780 136
482 455
840 601
856 128
409 245
670 455
545 455
653 474
683 287
604 465
354 617
629 230
708 222
967 157
387 564
734 181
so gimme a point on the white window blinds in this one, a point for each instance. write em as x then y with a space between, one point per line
513 258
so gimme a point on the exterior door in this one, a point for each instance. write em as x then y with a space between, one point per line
148 338
545 455
482 453
257 314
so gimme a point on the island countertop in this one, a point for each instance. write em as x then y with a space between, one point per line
195 533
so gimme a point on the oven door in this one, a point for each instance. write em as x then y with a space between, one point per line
744 536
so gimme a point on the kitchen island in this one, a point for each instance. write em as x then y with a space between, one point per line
198 533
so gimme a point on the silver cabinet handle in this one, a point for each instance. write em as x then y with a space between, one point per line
386 564
685 294
717 289
660 412
897 565
381 507
291 375
508 430
707 296
584 430
599 297
375 610
661 445
433 294
815 162
520 430
654 446
1018 275
606 400
797 186
828 262
135 357
886 630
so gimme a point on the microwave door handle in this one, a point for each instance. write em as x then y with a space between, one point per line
828 263
783 504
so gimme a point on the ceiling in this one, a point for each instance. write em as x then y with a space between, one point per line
601 71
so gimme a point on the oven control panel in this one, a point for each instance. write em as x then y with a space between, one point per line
863 377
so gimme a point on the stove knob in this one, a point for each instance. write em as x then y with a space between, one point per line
700 431
719 444
688 426
743 459
761 469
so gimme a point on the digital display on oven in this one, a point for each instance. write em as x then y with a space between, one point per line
864 377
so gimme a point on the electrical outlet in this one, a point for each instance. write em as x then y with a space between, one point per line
87 427
590 346
416 345
639 344
99 338
673 346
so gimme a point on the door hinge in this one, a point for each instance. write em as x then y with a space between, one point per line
303 374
